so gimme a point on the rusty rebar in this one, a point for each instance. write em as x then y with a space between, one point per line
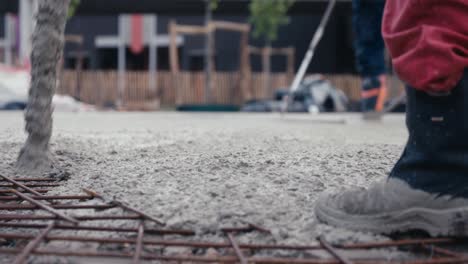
236 248
237 229
37 190
224 259
399 243
192 259
176 243
18 184
441 251
258 228
24 255
167 243
119 240
32 179
46 207
139 244
57 206
140 241
249 228
31 185
142 214
123 206
440 261
81 218
333 251
50 197
196 244
152 231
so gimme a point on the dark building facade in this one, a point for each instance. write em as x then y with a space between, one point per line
334 54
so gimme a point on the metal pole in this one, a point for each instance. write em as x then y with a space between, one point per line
313 45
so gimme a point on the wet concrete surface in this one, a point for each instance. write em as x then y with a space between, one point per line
204 171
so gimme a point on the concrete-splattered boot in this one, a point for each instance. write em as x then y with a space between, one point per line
428 187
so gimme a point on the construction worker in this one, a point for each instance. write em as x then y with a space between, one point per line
370 53
428 187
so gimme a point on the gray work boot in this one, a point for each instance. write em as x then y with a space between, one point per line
393 206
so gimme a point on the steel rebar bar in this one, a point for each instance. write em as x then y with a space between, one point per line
196 244
50 197
225 259
441 251
236 248
399 243
152 231
196 259
37 190
80 218
30 185
333 251
124 206
25 186
258 228
18 184
249 228
24 255
179 243
57 206
32 179
139 244
46 207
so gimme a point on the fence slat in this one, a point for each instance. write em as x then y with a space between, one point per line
100 87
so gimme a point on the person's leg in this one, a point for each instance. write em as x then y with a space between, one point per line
428 187
370 52
435 159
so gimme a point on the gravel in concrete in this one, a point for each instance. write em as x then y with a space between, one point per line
205 171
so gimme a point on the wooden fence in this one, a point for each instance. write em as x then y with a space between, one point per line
100 87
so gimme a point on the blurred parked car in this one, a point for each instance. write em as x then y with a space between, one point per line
315 95
13 88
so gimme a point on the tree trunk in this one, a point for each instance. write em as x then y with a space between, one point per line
47 48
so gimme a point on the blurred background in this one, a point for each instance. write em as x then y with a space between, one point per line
205 55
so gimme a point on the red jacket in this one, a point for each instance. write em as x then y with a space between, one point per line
428 41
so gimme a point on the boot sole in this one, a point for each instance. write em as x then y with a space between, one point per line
448 222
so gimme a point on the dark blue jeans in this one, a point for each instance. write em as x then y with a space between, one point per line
436 155
369 44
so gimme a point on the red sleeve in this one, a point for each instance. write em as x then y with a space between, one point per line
428 41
